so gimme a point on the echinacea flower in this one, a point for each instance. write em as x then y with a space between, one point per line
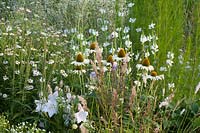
155 76
80 60
93 45
121 55
145 65
109 61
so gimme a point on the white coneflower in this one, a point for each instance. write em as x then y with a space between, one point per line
80 61
121 55
145 65
93 46
155 76
109 61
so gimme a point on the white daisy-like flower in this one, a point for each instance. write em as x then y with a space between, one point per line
154 76
121 55
142 67
80 61
158 77
145 65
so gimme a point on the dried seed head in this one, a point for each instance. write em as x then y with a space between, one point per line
145 62
79 58
93 45
154 73
110 59
121 53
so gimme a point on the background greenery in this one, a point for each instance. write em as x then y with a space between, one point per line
177 27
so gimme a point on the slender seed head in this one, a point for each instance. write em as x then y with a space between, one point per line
145 62
121 53
79 58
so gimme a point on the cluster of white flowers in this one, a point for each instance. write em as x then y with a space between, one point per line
170 57
51 106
